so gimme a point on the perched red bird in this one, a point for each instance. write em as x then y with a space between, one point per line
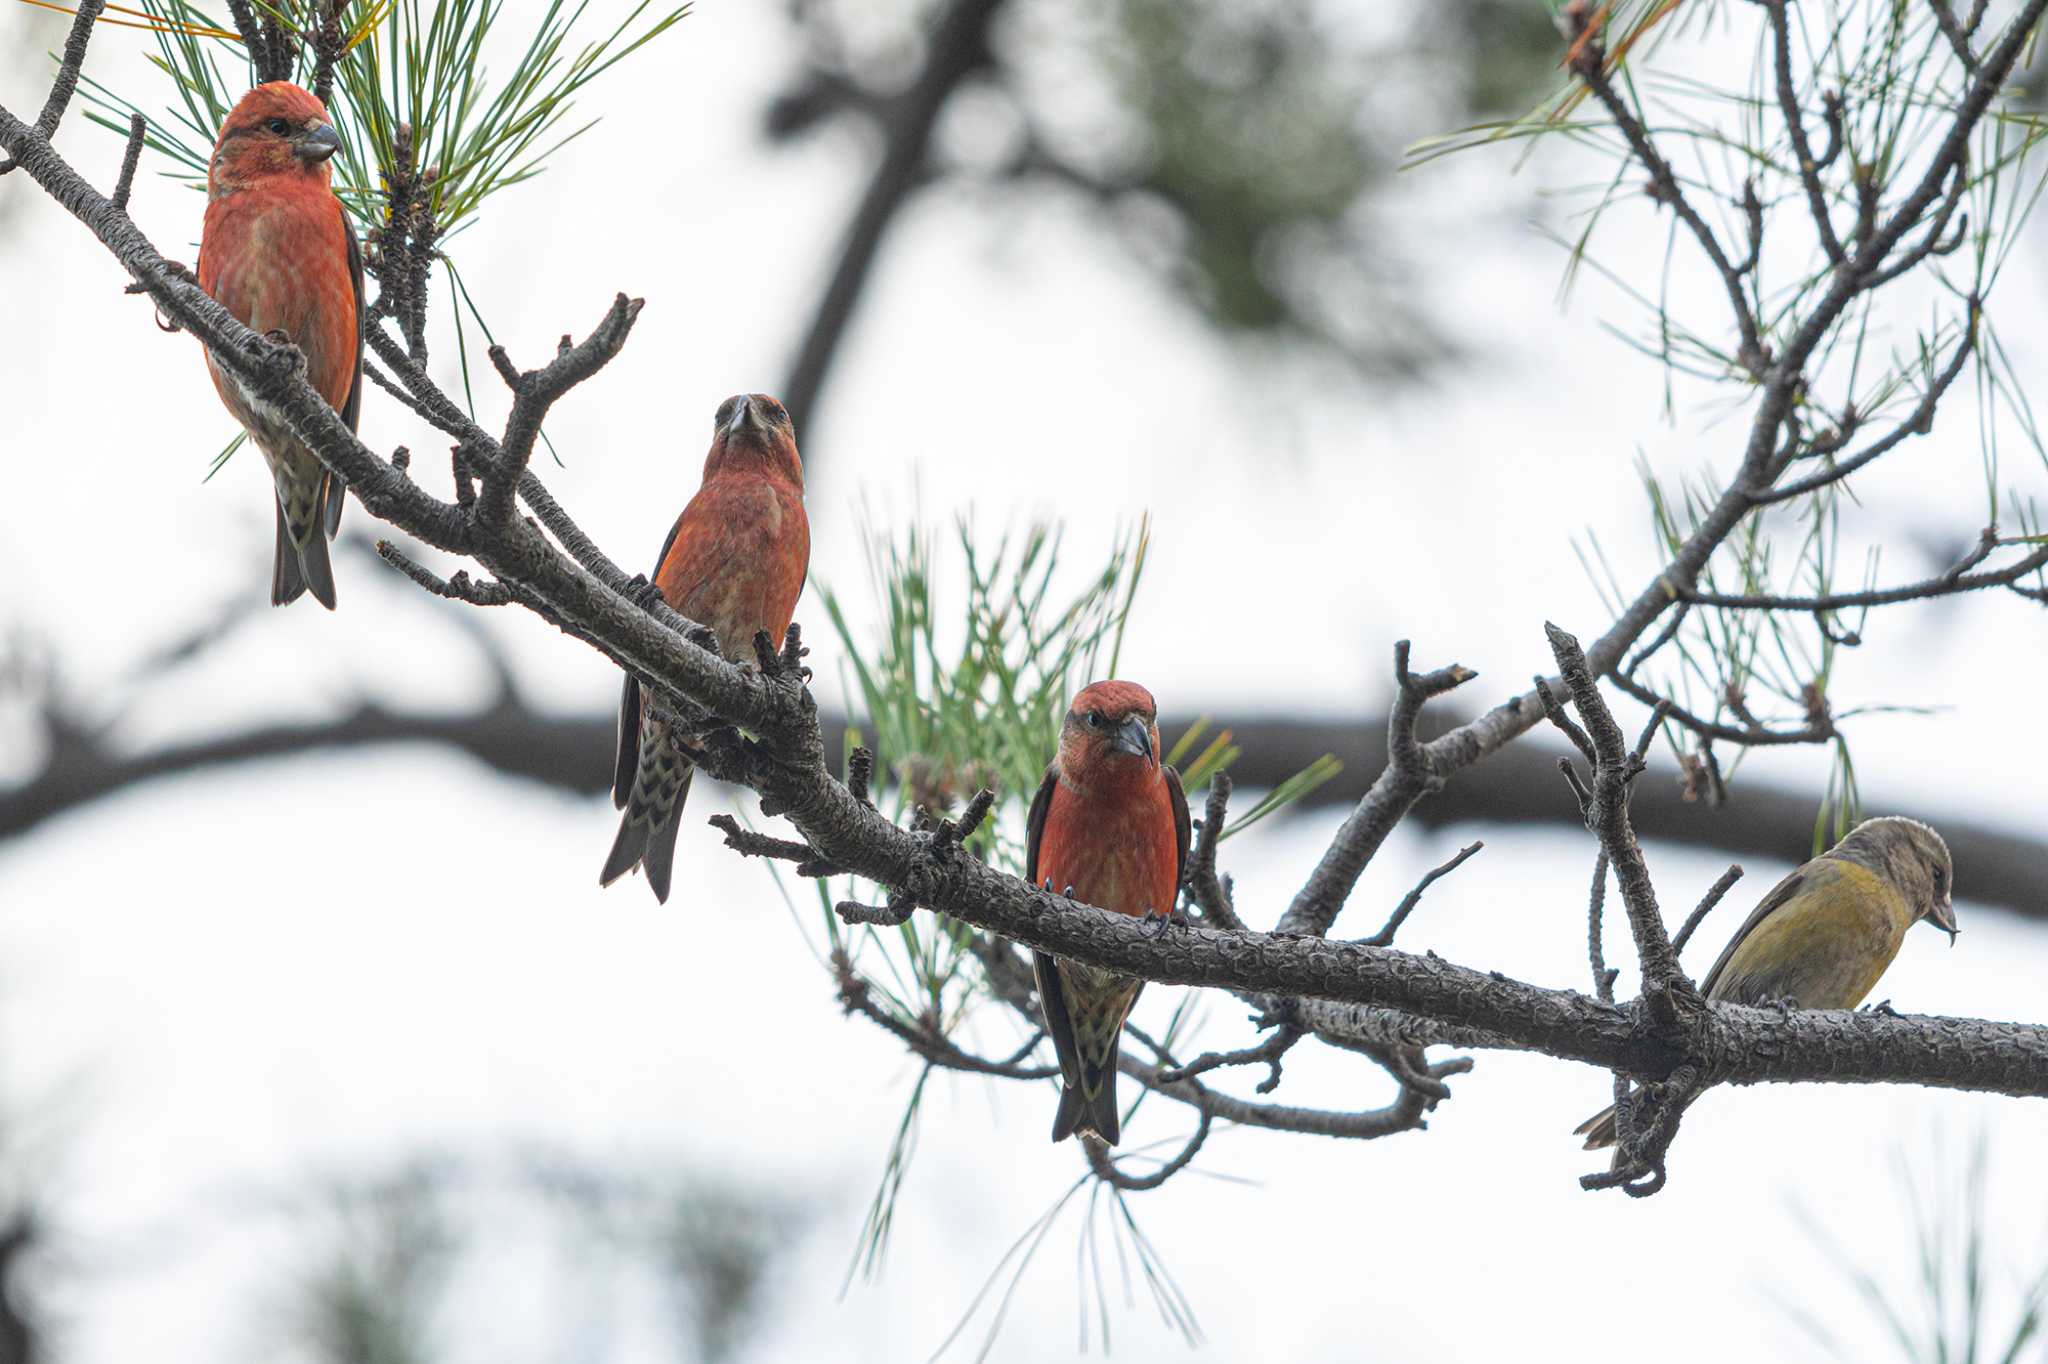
735 561
1109 827
277 252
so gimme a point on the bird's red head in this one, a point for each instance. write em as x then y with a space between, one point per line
277 130
1110 736
753 431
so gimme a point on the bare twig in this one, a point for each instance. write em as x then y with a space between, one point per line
535 391
1749 735
1795 128
1665 989
1267 1053
1918 423
1413 770
1590 66
455 588
1110 1171
1385 937
747 843
138 128
1210 892
1706 905
1596 948
925 1037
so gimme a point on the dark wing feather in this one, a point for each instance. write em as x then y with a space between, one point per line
1034 822
1052 1000
628 756
1771 903
352 406
1183 827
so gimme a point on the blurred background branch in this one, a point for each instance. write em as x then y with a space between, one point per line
83 763
1239 152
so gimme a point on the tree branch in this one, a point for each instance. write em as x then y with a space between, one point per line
957 48
1376 998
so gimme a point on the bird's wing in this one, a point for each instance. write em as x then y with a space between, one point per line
352 406
1052 999
628 758
1034 823
1770 904
1052 1002
1183 828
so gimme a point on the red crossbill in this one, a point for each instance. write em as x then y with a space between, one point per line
1824 934
278 253
735 561
1108 827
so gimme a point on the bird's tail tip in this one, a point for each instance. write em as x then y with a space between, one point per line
296 569
640 844
627 849
1599 1130
1078 1113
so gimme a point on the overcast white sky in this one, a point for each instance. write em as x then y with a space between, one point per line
210 1004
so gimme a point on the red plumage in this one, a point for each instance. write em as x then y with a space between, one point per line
1109 827
277 252
735 561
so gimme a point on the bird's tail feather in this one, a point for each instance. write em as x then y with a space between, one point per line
1091 1105
287 583
660 856
1600 1130
318 568
1069 1116
336 492
627 849
647 830
300 565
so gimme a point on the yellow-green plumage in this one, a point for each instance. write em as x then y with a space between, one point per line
1823 947
1825 934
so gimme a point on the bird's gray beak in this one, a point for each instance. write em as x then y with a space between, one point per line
1134 735
1943 917
317 143
742 417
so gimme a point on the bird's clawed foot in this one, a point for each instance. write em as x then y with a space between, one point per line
1883 1008
645 593
176 270
1156 924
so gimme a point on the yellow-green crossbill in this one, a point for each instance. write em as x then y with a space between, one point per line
1824 934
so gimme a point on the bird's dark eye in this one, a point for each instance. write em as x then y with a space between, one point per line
278 126
1940 881
1094 719
725 411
